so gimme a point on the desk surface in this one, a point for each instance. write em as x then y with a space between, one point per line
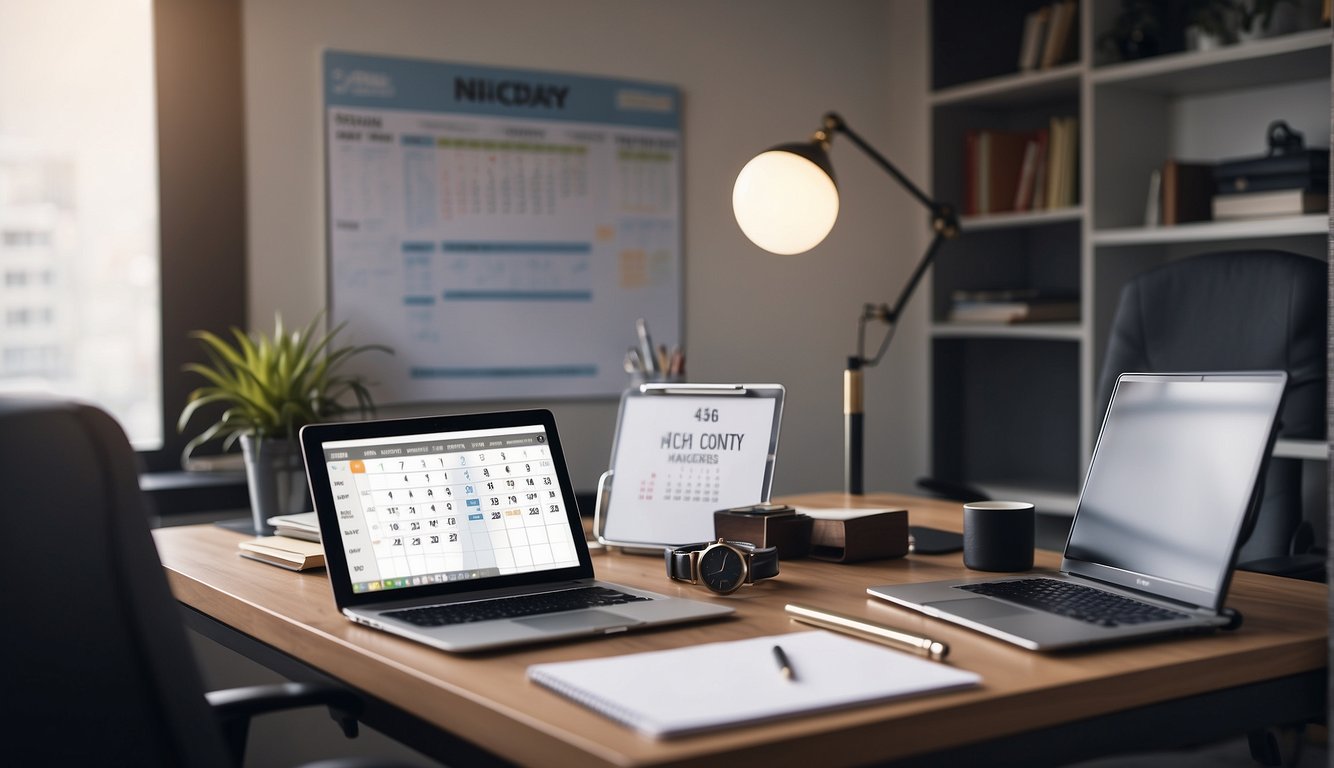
488 700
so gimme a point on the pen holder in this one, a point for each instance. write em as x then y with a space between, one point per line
766 525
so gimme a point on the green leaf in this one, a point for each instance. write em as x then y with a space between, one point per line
273 384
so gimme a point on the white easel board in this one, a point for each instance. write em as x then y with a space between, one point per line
501 229
682 452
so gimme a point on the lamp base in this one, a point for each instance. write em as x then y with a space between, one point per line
852 427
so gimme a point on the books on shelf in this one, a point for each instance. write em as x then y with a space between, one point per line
1187 189
1281 202
1049 36
1062 163
1026 305
994 159
1008 171
1058 46
1289 180
1035 32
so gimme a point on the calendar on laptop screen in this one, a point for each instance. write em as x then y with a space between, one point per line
435 508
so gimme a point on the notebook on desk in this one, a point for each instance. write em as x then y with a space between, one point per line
1171 490
462 532
680 691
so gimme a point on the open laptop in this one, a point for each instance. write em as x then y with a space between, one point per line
462 532
1170 494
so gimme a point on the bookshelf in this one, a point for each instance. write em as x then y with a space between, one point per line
1012 405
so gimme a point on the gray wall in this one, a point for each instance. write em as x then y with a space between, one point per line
753 73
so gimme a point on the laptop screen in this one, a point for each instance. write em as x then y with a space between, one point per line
1171 482
413 503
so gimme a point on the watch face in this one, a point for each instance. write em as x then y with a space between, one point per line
722 569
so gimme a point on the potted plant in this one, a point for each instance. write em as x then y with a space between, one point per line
270 387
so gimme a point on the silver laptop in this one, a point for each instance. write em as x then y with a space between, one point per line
1170 494
462 532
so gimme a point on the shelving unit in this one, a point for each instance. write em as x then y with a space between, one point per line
1012 405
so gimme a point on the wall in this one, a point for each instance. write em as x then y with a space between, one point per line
753 73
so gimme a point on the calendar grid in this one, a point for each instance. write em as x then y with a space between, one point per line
437 511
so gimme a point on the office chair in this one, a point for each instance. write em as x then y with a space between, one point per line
99 670
1238 310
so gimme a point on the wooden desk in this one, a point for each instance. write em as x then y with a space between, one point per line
1031 708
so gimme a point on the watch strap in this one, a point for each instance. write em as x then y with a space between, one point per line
763 562
681 561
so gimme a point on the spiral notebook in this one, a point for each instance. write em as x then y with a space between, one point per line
662 694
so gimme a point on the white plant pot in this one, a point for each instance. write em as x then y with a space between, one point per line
276 477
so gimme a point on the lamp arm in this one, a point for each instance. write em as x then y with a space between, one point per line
890 314
943 218
944 223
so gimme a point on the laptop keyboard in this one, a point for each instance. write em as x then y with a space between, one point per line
514 607
1074 601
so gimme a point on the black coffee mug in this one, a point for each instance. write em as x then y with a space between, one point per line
998 535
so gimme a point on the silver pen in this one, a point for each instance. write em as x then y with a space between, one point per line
866 630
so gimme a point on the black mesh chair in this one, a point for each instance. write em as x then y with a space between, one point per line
99 671
1239 310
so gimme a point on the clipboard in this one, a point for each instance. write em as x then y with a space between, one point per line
682 452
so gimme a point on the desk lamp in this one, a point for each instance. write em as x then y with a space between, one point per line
786 201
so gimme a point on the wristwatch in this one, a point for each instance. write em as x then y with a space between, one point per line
722 566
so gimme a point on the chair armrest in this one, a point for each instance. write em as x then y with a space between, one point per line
234 707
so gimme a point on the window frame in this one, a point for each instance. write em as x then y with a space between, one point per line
198 65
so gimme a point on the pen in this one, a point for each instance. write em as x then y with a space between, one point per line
784 666
648 356
866 630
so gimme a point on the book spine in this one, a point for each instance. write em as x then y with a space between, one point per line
1023 196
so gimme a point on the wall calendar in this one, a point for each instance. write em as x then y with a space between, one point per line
501 229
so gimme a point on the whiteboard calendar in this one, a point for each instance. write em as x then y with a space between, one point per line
501 229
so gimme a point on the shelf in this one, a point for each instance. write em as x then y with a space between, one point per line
1043 331
1014 408
1275 61
1025 219
1204 231
1019 88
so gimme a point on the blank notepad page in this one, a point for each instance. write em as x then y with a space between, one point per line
681 691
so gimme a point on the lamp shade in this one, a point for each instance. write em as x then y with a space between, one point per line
785 199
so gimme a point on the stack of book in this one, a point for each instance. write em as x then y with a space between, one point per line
302 525
1286 184
1020 305
1008 171
1049 36
284 552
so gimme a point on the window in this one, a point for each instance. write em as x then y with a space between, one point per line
79 206
113 284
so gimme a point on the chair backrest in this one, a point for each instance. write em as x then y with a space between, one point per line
1238 310
99 671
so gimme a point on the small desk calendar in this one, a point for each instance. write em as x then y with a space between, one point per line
683 451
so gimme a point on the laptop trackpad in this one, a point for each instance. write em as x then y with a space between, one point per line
977 608
575 620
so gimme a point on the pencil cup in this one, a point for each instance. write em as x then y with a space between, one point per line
998 535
